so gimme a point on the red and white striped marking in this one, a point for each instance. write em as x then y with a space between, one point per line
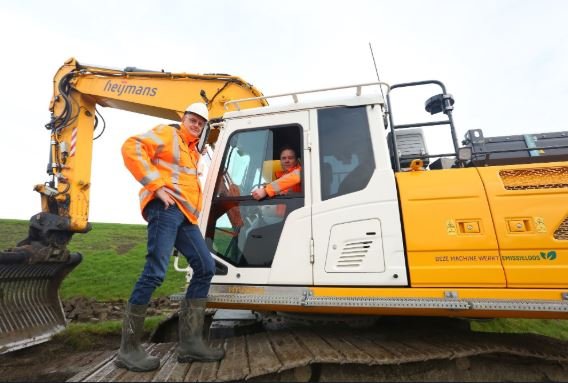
73 142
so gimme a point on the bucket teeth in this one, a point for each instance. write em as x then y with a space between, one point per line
30 308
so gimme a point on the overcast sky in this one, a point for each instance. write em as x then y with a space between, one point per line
505 62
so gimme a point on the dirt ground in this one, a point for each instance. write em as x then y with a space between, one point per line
83 309
53 361
50 361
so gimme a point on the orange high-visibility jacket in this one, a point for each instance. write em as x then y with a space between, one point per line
166 157
286 181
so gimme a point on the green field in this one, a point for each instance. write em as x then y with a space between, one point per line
113 257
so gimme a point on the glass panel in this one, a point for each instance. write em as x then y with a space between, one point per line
246 233
243 231
346 152
242 167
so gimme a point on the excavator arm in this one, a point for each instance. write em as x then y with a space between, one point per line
31 273
79 88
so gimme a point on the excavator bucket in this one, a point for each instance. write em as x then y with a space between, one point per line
30 308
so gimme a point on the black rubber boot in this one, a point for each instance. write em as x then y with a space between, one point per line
191 344
131 354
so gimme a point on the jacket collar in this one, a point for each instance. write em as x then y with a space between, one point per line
187 138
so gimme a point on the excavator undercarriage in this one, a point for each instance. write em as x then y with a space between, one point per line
327 349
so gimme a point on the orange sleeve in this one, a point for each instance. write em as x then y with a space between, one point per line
284 183
138 152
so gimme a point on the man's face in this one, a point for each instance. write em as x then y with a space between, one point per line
288 159
193 123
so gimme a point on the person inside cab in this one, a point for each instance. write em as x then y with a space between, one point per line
287 180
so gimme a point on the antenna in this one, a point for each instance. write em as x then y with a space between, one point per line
376 69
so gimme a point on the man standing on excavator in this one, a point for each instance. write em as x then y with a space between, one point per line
164 160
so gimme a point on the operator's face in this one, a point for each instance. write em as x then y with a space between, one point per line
193 124
288 159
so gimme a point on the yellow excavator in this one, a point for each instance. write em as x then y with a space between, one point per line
382 225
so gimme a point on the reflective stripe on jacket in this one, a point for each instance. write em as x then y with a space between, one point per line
166 157
286 181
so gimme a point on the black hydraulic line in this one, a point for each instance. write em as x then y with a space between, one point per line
104 123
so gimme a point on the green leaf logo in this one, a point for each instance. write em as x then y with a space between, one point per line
550 256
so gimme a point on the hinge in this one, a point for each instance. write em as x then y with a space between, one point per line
311 250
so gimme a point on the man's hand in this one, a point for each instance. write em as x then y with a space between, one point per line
259 194
165 197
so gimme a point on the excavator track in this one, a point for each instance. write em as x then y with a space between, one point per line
325 354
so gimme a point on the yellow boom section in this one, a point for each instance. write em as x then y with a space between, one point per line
79 88
155 93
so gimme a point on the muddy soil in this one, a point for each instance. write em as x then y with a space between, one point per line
83 309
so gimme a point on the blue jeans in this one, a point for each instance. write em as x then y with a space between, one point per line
168 228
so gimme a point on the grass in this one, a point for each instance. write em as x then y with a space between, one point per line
113 257
549 327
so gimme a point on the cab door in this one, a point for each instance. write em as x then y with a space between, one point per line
259 242
356 222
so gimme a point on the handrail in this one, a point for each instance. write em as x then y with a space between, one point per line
295 94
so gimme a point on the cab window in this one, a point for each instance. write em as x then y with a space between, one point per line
346 152
241 230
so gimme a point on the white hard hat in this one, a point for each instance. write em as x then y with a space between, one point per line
200 109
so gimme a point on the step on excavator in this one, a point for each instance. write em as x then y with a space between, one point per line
381 227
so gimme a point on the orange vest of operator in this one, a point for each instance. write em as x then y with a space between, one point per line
285 182
166 157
